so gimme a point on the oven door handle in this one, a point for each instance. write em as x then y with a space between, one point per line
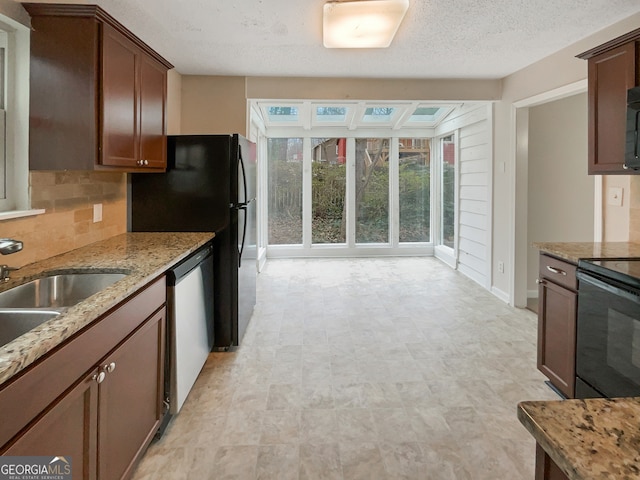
583 277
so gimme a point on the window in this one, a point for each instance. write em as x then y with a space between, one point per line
284 158
14 115
328 187
448 191
372 190
414 189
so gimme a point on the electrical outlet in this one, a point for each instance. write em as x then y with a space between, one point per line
501 267
97 212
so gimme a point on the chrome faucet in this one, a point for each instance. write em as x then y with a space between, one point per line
7 246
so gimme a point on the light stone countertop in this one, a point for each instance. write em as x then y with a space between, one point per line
574 251
142 256
588 439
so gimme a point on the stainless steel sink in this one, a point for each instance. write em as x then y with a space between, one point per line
57 291
14 323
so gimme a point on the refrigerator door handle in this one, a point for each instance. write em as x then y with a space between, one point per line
244 234
244 176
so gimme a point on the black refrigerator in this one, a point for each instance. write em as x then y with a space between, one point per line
209 186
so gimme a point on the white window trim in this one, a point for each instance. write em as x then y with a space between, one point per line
17 203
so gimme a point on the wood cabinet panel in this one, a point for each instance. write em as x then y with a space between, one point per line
53 374
611 74
557 312
131 399
153 81
98 93
546 468
119 100
613 68
68 428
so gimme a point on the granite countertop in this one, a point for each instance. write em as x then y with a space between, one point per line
574 251
142 256
588 439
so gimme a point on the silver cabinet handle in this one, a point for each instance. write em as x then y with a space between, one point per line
99 377
540 282
556 270
145 162
110 367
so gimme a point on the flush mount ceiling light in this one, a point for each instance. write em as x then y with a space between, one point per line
362 24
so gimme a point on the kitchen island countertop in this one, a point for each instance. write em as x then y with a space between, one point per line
588 439
574 251
142 256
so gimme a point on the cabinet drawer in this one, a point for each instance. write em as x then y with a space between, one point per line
558 271
24 397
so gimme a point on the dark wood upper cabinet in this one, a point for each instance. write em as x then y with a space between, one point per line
613 69
98 93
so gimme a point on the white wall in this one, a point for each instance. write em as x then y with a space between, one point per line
554 72
560 193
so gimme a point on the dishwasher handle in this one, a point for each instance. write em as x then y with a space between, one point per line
177 272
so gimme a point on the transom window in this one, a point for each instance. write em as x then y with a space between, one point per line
307 115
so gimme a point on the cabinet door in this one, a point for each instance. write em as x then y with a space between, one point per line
67 429
119 100
546 469
611 74
557 335
153 79
131 398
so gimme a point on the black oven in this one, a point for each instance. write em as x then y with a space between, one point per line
608 328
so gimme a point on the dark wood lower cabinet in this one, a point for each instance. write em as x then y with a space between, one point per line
106 419
557 311
69 428
546 469
131 399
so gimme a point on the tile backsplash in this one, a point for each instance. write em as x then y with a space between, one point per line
68 198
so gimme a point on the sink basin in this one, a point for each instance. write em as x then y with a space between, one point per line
57 291
14 323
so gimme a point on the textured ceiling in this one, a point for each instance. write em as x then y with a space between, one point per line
438 38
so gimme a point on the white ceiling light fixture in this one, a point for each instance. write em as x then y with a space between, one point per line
362 24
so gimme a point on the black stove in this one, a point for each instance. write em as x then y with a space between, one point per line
623 270
608 328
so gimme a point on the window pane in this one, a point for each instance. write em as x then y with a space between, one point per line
448 190
285 190
414 189
331 114
329 180
372 190
283 114
378 114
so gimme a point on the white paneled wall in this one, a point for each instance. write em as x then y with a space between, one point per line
473 123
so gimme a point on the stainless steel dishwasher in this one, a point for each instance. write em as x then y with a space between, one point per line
189 326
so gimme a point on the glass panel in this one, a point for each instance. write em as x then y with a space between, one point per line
284 157
378 114
448 190
414 189
329 181
425 114
331 114
372 190
283 114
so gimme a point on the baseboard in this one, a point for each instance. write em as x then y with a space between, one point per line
500 294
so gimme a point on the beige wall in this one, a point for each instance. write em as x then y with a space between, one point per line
551 73
174 102
371 89
213 105
560 193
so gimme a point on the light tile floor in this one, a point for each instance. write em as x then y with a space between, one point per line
395 368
